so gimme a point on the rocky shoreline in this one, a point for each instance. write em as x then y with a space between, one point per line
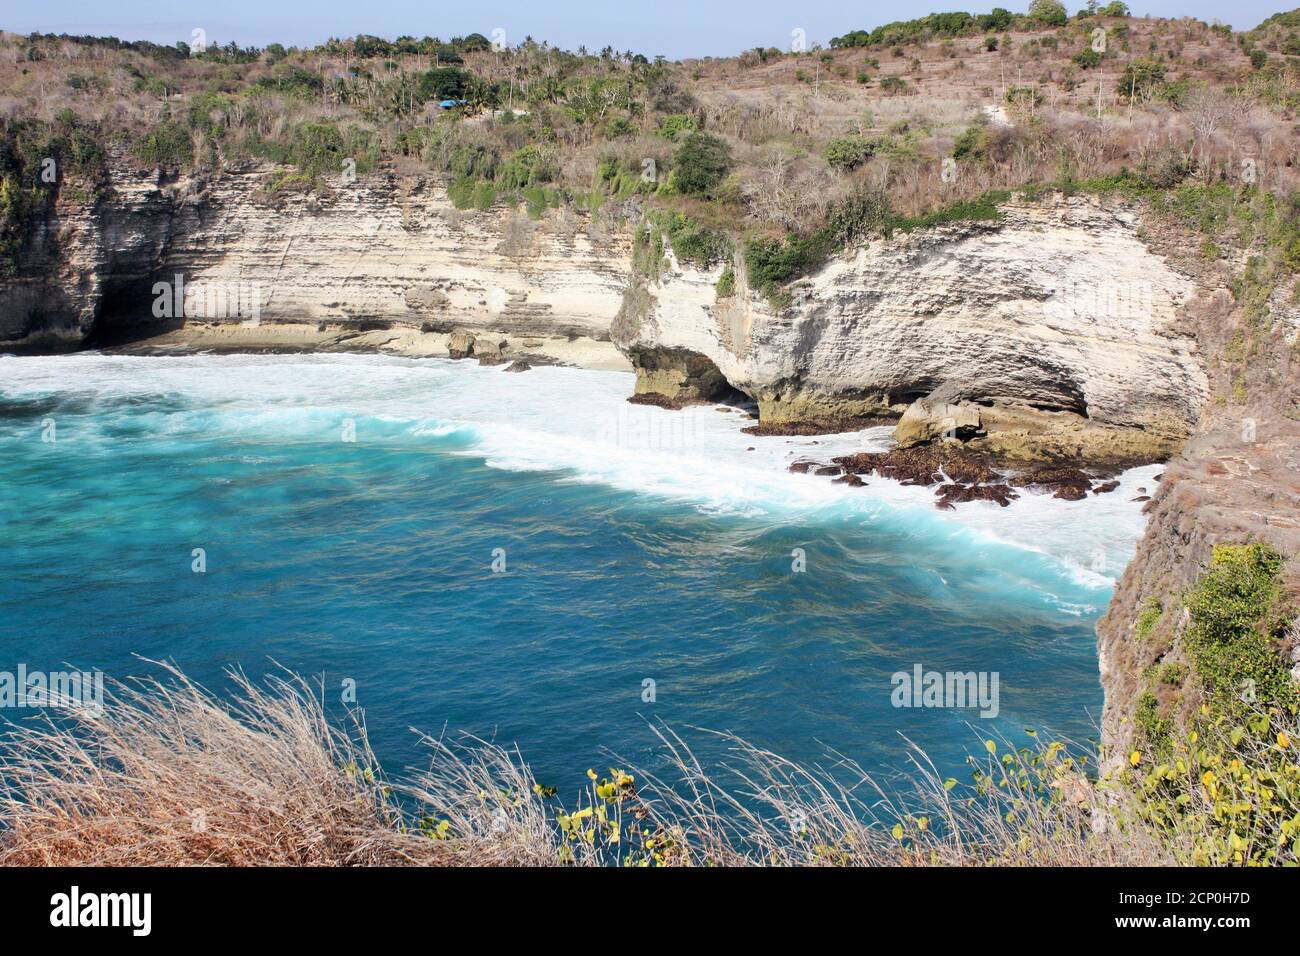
958 475
518 353
957 472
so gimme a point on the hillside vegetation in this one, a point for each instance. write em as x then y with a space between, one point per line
776 150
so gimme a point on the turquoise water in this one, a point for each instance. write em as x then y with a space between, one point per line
638 544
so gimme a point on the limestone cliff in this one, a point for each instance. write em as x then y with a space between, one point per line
1236 480
1056 329
380 247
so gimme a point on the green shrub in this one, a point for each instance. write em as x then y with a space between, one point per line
700 164
528 166
1141 79
1169 673
1237 618
692 243
849 152
465 192
615 178
473 160
726 286
443 83
771 263
1148 618
167 144
317 149
25 194
671 127
1086 58
971 144
619 126
1024 96
292 81
647 251
1052 13
1153 727
983 208
894 85
1227 789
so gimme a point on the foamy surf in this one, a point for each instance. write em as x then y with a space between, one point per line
579 423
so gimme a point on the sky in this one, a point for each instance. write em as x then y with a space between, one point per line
674 28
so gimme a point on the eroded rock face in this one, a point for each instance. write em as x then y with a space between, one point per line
381 247
460 344
1057 329
1237 481
678 375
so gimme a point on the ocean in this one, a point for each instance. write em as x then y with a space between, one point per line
530 559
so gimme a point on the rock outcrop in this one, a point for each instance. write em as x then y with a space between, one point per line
1051 334
934 418
1055 333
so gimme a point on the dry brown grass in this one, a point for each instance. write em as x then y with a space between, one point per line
170 774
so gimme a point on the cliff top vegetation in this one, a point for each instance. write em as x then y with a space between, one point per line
769 141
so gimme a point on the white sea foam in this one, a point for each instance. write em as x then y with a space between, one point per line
579 422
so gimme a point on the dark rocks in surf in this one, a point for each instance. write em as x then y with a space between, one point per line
817 427
953 494
659 400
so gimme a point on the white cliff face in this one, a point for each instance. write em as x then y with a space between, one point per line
1057 321
380 247
395 249
1056 317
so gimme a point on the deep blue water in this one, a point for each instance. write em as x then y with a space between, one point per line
371 561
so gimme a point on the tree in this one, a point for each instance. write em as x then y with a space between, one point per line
1208 110
1049 12
849 152
1141 79
999 18
700 164
1087 57
972 144
530 165
443 83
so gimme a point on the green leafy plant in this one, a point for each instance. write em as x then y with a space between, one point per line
700 164
849 152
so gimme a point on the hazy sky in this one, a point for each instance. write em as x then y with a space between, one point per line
674 28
